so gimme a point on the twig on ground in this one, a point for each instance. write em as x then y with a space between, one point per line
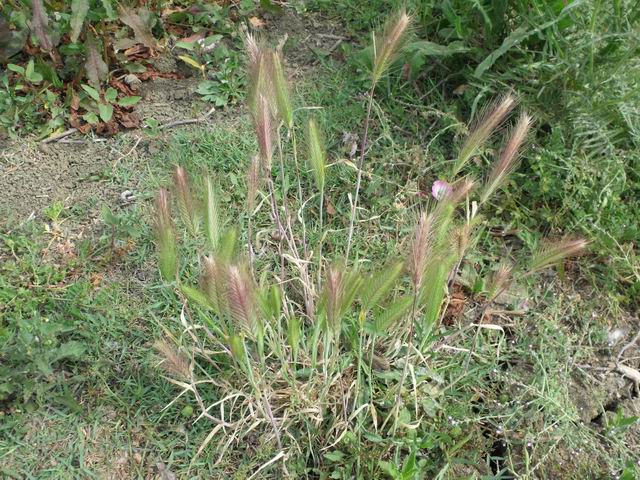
627 346
59 136
188 121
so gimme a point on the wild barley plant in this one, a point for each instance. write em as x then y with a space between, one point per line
290 345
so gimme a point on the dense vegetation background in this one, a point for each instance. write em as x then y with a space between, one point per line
540 394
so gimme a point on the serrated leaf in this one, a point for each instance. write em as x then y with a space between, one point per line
128 101
79 10
68 350
106 111
136 21
95 66
92 92
39 25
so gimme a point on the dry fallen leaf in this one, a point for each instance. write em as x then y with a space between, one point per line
256 22
331 210
95 66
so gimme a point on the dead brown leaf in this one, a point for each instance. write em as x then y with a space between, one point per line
256 22
139 22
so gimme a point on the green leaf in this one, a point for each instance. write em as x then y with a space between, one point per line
79 10
30 68
198 297
128 101
110 95
228 245
186 45
335 456
388 468
108 8
90 117
513 39
378 284
410 468
392 313
106 111
31 74
435 50
69 350
16 68
92 92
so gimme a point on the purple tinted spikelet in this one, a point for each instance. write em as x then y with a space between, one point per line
264 133
508 159
483 129
240 296
173 362
500 280
334 292
184 198
420 248
213 282
253 183
167 253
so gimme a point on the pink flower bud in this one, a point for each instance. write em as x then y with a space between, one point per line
441 190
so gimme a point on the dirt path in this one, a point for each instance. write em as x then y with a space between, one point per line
79 170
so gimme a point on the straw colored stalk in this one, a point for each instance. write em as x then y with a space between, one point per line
551 253
387 46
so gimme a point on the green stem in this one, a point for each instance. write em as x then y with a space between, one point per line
363 147
406 360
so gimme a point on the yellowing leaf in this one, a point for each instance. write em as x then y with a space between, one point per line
193 63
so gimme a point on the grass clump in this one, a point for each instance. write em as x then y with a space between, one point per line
313 351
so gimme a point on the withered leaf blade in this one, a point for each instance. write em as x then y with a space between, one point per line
79 10
39 26
97 70
139 22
